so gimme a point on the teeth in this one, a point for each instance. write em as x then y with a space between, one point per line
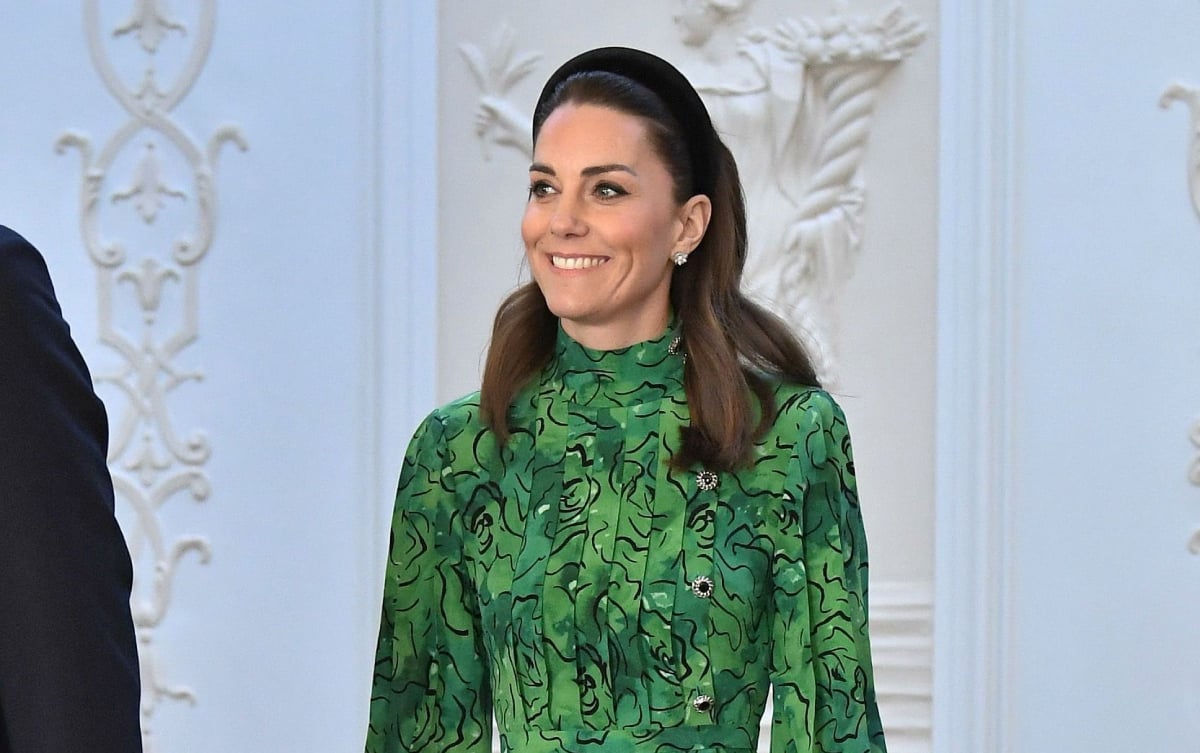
577 262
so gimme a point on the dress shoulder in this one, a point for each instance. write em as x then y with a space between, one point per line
458 414
447 439
803 407
449 420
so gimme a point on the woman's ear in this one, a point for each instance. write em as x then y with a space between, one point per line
693 221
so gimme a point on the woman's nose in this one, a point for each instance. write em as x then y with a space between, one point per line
565 220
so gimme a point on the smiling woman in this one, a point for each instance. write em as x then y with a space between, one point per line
647 519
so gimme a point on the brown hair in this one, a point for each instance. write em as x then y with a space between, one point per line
734 347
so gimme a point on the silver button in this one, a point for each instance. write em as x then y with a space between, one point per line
706 480
703 703
703 586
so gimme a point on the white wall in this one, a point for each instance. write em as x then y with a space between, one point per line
1062 378
1071 601
1106 596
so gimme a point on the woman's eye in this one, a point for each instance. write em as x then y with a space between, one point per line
539 188
609 191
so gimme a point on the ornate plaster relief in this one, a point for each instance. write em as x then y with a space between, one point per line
151 461
1190 95
800 96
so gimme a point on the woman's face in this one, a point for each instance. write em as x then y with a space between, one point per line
602 223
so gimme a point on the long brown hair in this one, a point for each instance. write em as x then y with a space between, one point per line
734 347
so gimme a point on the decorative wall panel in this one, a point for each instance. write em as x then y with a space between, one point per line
976 386
902 649
1190 95
139 186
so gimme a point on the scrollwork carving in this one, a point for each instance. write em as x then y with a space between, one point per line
151 462
801 97
1190 96
497 72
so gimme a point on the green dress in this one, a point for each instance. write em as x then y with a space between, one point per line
595 599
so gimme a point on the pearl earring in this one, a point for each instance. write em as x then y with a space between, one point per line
680 258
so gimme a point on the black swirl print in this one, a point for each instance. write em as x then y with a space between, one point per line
592 598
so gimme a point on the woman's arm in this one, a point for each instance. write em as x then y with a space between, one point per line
824 689
431 691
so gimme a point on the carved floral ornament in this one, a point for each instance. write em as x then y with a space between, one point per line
801 96
1190 96
151 462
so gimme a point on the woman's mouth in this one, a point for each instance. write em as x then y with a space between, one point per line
577 262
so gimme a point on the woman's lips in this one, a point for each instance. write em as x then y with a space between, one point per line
577 262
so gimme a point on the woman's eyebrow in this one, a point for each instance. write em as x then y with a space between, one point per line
598 169
538 167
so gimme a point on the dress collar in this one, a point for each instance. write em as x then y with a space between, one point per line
640 373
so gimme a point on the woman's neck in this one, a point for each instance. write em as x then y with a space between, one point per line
614 337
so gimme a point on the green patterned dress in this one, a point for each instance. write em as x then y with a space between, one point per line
595 599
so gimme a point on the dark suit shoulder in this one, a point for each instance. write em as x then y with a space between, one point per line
65 625
24 278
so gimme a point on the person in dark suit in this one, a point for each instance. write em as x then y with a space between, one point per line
69 678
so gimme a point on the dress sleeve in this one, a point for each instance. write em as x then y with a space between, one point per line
824 688
430 692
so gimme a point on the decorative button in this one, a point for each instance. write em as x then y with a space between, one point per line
703 703
703 586
706 480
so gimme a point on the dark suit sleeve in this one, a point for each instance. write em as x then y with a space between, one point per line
68 658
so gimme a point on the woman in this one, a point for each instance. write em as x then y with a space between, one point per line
646 519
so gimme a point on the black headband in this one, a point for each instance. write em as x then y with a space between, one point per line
669 85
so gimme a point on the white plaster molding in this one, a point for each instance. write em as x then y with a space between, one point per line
1194 477
977 330
801 94
1190 96
497 69
397 273
902 652
150 461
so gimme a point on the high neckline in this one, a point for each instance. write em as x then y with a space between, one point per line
638 373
